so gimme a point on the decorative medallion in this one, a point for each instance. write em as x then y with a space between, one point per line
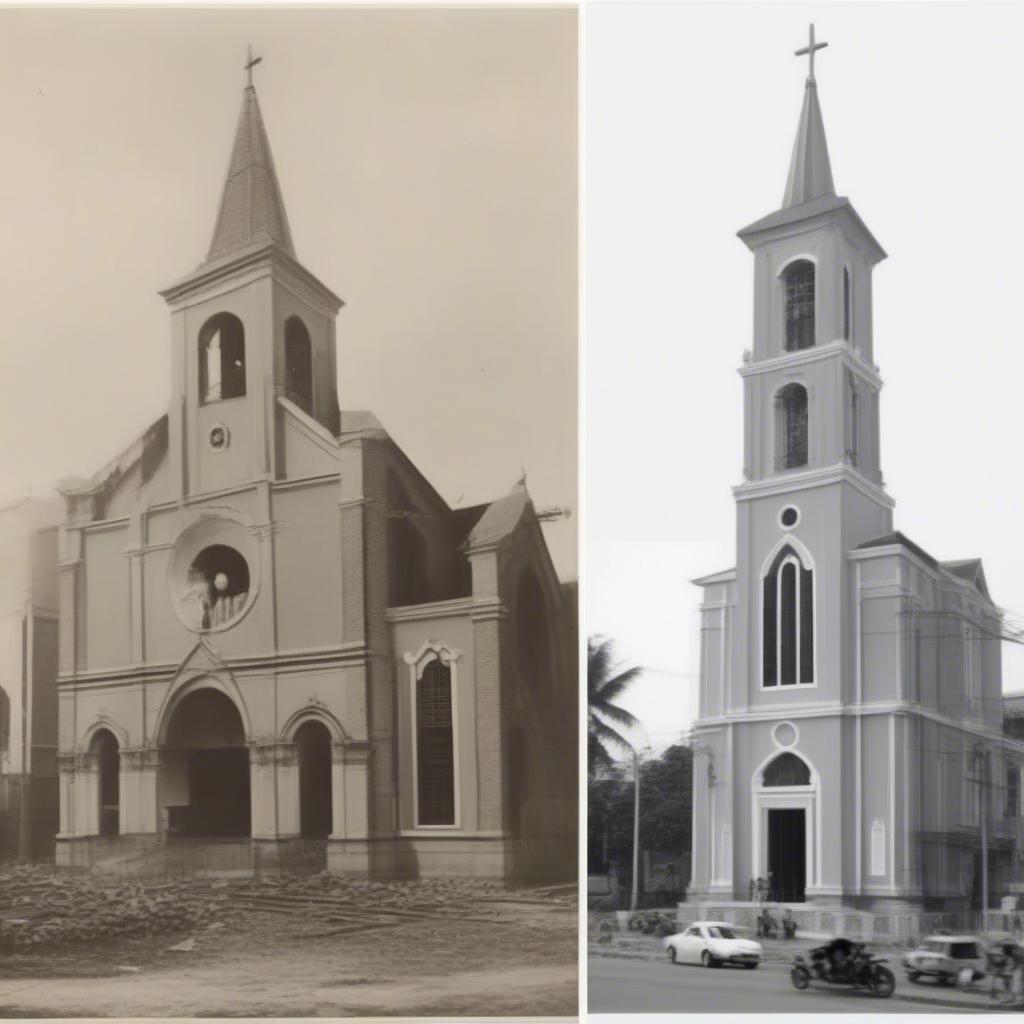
219 437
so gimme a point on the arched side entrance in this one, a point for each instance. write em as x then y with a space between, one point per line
313 752
204 777
104 747
786 826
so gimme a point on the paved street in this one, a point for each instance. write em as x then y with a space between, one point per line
636 986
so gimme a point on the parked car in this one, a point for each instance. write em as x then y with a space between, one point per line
946 958
713 943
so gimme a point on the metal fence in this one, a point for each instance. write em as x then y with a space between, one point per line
862 925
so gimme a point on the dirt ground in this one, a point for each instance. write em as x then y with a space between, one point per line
514 957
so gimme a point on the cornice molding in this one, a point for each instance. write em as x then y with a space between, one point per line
815 354
805 480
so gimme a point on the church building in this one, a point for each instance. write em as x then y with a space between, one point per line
280 648
849 736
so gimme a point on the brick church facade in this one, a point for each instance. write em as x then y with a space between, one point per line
278 643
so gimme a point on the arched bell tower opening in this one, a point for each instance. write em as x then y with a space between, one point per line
313 747
298 362
221 359
798 285
205 768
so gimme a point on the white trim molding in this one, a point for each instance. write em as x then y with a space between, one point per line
429 651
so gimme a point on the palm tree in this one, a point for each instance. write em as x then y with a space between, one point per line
606 682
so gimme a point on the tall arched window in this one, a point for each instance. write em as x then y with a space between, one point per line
788 621
298 362
798 282
435 746
108 761
221 358
791 427
846 303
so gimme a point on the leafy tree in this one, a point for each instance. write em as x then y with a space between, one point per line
606 682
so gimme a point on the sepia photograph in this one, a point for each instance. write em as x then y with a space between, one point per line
803 596
289 683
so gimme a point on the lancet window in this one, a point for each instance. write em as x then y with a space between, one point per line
788 621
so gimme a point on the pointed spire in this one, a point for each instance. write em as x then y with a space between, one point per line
810 173
251 208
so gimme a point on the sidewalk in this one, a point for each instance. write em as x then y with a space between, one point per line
779 954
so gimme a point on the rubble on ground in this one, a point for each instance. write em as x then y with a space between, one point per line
41 907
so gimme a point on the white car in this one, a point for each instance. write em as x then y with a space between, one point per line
712 943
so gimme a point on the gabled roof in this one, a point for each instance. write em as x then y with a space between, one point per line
969 569
501 518
251 207
810 171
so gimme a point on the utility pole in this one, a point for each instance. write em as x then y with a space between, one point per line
981 758
636 830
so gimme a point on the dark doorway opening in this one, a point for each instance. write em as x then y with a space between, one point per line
313 743
218 781
109 758
206 768
787 854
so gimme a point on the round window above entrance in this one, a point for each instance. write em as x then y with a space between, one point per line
211 575
789 516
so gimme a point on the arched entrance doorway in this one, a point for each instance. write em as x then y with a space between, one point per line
313 747
787 826
108 763
205 768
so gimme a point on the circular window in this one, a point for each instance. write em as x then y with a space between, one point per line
218 583
789 516
219 437
784 734
211 574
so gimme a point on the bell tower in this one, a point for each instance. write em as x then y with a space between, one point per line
253 331
812 488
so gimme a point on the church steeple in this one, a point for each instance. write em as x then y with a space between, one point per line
251 207
810 172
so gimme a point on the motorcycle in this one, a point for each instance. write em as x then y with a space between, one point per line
842 962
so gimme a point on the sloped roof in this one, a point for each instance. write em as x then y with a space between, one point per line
501 518
888 539
251 206
810 171
969 569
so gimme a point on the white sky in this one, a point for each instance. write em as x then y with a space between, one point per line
429 170
690 116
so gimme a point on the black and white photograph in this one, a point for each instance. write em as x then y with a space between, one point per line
289 694
803 600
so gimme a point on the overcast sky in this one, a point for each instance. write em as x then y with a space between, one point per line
690 116
428 165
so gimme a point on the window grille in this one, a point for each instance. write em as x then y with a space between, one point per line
799 289
787 770
435 750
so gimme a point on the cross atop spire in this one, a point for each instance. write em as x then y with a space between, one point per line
809 50
252 62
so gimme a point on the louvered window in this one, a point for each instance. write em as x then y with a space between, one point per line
435 749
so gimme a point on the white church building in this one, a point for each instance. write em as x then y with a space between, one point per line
849 729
